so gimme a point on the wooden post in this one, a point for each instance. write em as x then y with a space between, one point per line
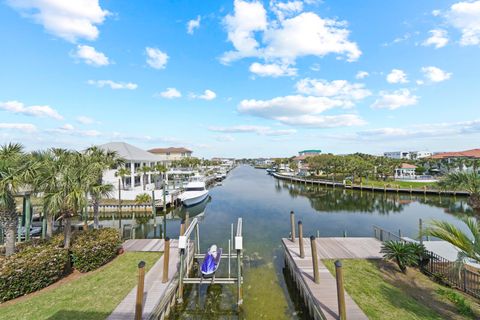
166 259
197 238
164 211
340 292
316 274
187 220
119 204
292 225
140 286
154 210
182 228
300 239
400 233
420 230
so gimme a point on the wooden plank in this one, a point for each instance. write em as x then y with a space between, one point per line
155 290
153 245
324 294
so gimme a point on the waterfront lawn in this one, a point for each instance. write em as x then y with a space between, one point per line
380 289
89 296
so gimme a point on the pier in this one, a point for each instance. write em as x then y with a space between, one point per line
163 286
321 299
362 187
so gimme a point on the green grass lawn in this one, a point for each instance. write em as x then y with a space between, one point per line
90 296
380 290
401 184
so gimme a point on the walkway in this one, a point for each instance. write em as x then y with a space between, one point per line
324 294
157 294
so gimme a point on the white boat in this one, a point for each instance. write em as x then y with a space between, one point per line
195 192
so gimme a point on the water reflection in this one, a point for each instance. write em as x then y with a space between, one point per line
264 204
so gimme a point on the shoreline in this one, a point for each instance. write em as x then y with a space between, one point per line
370 188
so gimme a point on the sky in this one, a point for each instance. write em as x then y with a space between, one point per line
241 78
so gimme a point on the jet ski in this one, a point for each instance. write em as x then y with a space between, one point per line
211 262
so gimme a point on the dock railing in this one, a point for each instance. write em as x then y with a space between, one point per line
460 276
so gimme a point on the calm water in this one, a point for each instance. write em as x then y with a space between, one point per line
264 203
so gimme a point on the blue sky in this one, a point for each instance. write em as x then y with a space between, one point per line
241 78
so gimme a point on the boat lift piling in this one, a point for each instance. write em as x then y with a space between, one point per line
235 243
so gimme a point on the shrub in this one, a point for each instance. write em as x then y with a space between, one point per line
92 249
31 269
405 254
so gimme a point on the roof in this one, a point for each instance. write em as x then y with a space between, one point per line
310 151
407 166
129 152
170 150
303 157
473 153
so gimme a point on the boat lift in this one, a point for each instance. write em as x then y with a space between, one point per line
234 243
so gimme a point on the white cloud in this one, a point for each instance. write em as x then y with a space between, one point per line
113 85
91 56
286 9
193 24
394 100
156 58
272 70
436 12
361 75
248 18
67 127
224 138
339 89
438 38
465 16
171 93
285 39
207 95
25 127
435 74
397 76
35 111
85 120
70 20
321 121
260 130
422 131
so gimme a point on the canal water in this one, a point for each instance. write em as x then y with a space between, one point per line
265 203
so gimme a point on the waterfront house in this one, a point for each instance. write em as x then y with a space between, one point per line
406 171
301 159
135 158
408 155
467 160
167 155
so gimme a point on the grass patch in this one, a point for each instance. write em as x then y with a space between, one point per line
380 289
90 296
463 307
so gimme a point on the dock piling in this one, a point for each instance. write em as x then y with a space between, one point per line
182 227
300 239
140 288
316 274
292 224
340 291
166 259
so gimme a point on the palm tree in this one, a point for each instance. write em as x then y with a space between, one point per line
64 185
16 170
98 161
144 171
469 245
468 181
122 172
404 254
144 199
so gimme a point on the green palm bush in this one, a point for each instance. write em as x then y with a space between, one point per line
405 254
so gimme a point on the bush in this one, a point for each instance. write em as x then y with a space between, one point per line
31 269
94 248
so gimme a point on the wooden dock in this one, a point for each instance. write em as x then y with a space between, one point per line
144 245
158 297
321 299
369 187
